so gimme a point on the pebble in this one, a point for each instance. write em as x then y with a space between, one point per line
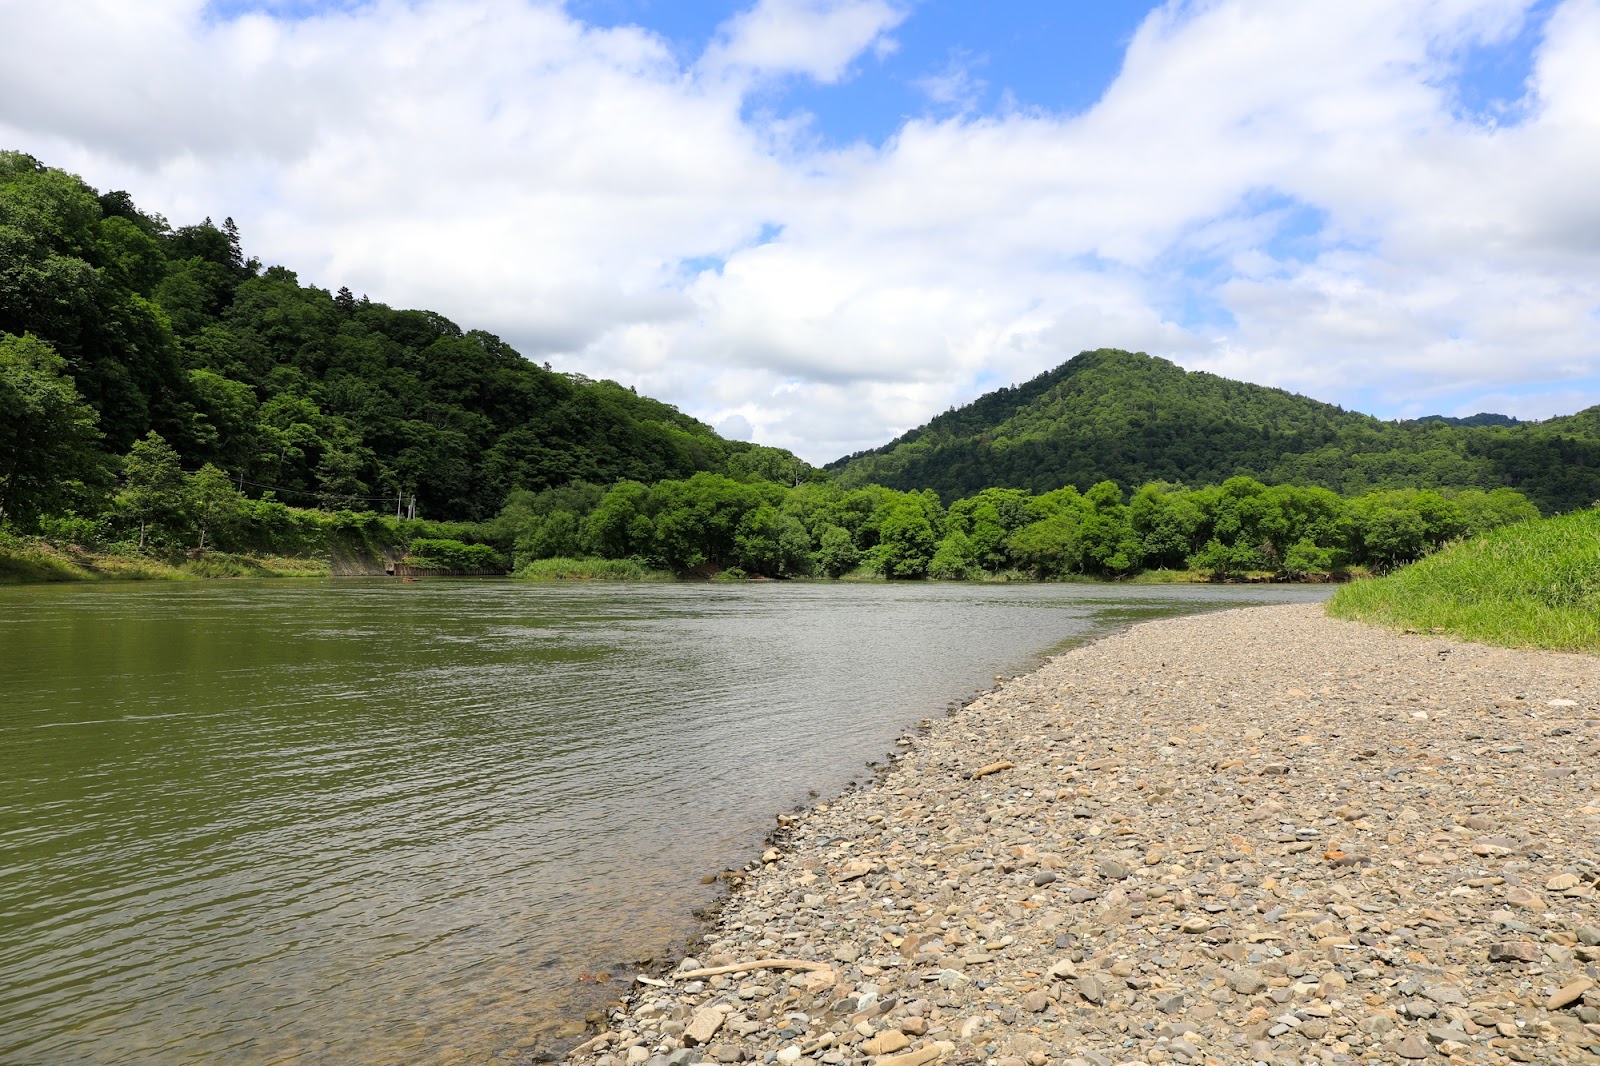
1514 951
1258 835
1568 993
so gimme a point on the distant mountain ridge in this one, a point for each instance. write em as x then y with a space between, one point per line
1133 418
1482 418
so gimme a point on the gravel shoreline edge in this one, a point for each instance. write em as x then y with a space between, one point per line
1256 835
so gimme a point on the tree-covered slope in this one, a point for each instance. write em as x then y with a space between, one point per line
323 396
1133 418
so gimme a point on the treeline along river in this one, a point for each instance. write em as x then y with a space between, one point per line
376 822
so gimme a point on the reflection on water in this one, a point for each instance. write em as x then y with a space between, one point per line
368 821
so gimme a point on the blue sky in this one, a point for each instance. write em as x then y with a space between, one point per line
819 222
1054 56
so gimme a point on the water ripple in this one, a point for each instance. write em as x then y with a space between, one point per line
370 821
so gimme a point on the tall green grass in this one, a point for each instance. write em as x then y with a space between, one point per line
589 570
1530 585
222 564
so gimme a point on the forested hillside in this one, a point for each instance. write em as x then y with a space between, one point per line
114 324
1132 418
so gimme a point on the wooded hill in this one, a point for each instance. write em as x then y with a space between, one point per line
1132 418
327 399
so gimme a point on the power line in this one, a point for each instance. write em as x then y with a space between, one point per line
242 481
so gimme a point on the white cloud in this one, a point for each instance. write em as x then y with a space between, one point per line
956 85
817 38
1280 192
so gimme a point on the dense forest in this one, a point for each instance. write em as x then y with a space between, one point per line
714 524
162 392
1133 418
115 325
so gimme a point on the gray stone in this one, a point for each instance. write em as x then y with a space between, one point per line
1513 951
1413 1047
703 1026
1247 982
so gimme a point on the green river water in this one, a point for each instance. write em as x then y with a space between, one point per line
372 822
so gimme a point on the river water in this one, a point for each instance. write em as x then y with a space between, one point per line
373 822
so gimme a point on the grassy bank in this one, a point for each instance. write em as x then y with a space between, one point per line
1529 585
31 560
590 570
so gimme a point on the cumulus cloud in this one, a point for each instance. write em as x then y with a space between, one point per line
1286 193
816 38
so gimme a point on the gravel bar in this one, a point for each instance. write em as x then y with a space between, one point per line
1253 836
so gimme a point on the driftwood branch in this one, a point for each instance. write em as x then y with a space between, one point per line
758 964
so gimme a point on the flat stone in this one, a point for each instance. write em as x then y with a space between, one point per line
1568 994
1518 896
1247 982
1445 1034
703 1026
1413 1047
1514 951
885 1042
919 1056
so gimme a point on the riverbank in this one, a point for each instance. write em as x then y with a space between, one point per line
32 561
1261 835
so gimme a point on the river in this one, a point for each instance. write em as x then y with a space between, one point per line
371 822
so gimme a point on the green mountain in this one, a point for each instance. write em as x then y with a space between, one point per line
1133 418
319 396
1482 418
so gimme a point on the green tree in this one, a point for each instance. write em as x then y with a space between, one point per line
1482 511
906 539
1165 519
617 528
212 501
837 554
48 457
1220 559
956 559
1307 557
772 543
152 492
1402 525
